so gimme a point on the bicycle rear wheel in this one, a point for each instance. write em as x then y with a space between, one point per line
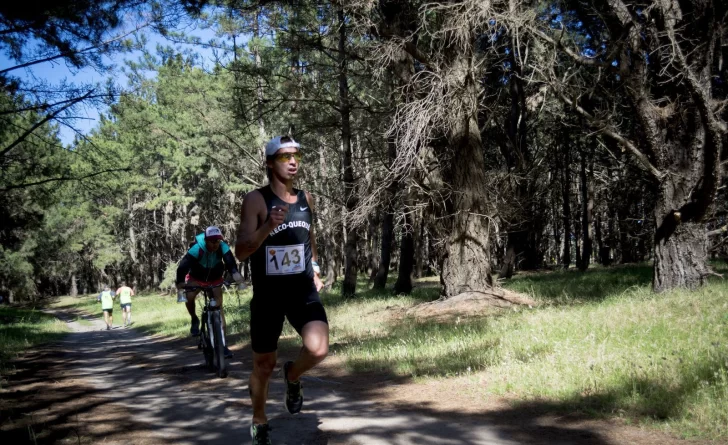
219 355
205 342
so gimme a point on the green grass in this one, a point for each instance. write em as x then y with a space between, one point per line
24 328
574 287
600 344
153 313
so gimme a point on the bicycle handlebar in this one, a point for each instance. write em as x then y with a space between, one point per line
210 286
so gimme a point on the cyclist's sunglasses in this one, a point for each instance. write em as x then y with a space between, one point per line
286 157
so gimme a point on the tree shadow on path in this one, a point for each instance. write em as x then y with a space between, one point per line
121 386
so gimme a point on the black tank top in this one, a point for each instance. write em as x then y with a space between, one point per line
285 255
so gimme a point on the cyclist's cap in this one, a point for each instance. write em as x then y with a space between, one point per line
213 232
275 144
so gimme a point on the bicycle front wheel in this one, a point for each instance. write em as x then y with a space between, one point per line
219 342
205 343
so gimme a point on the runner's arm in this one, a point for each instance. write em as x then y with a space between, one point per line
250 236
229 259
312 204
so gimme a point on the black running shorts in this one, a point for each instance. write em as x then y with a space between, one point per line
269 308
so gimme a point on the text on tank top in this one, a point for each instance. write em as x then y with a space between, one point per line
286 252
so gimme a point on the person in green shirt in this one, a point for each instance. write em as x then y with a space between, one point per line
106 297
125 293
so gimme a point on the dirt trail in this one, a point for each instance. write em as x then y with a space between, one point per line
121 386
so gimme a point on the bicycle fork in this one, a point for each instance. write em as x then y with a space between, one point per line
210 324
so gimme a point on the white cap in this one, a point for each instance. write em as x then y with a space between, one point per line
275 144
213 232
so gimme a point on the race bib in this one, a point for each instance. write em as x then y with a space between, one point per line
285 260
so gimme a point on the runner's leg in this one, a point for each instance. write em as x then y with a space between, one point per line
315 335
266 324
263 365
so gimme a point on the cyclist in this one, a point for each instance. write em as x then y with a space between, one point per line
276 232
204 264
125 293
106 297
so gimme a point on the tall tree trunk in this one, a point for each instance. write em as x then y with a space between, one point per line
577 240
380 280
681 258
518 246
325 224
556 257
681 243
509 259
686 144
350 249
420 245
466 266
406 258
456 140
372 245
566 207
587 204
685 196
74 285
602 249
626 249
611 238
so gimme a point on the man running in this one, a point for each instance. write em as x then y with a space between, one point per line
106 297
276 232
204 264
125 293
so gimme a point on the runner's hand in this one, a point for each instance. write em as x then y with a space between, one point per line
317 281
237 277
277 216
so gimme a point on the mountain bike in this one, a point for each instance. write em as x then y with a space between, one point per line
212 335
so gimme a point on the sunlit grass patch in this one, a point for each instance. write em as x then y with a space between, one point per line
157 314
603 344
